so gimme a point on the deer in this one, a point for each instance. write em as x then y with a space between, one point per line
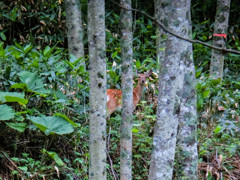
114 96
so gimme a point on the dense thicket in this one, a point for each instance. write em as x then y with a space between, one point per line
34 67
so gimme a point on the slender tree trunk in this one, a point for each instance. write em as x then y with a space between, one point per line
161 36
75 29
187 156
175 14
127 92
220 28
75 35
97 55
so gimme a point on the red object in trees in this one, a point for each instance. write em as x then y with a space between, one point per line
220 35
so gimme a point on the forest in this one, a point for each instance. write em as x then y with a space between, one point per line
129 89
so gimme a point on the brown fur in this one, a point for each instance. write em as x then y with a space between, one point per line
115 96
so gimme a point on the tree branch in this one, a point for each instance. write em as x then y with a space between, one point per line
176 35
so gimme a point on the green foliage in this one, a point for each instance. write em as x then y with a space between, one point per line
38 22
142 140
30 83
54 156
13 97
17 126
143 123
33 89
205 87
44 94
218 114
52 125
28 167
6 112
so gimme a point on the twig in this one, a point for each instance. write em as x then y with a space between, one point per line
13 164
228 173
176 35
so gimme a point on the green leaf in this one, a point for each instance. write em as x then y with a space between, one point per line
218 129
113 55
14 172
7 72
137 155
18 126
66 118
54 156
78 60
206 62
2 35
216 81
47 51
23 168
6 112
194 35
154 37
13 97
135 130
19 86
52 124
20 48
33 83
2 50
14 14
138 64
69 64
27 48
204 22
20 101
200 101
198 72
204 38
116 79
206 93
34 64
112 74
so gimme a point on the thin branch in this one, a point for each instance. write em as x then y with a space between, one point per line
176 35
13 164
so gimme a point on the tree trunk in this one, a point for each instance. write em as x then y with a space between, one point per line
75 35
75 29
161 36
187 156
172 73
220 28
127 92
97 58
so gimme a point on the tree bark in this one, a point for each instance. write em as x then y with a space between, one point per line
220 28
172 74
97 69
75 29
127 92
74 35
161 36
187 155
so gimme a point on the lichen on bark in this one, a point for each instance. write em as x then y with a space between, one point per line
127 92
97 73
75 29
220 27
176 75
